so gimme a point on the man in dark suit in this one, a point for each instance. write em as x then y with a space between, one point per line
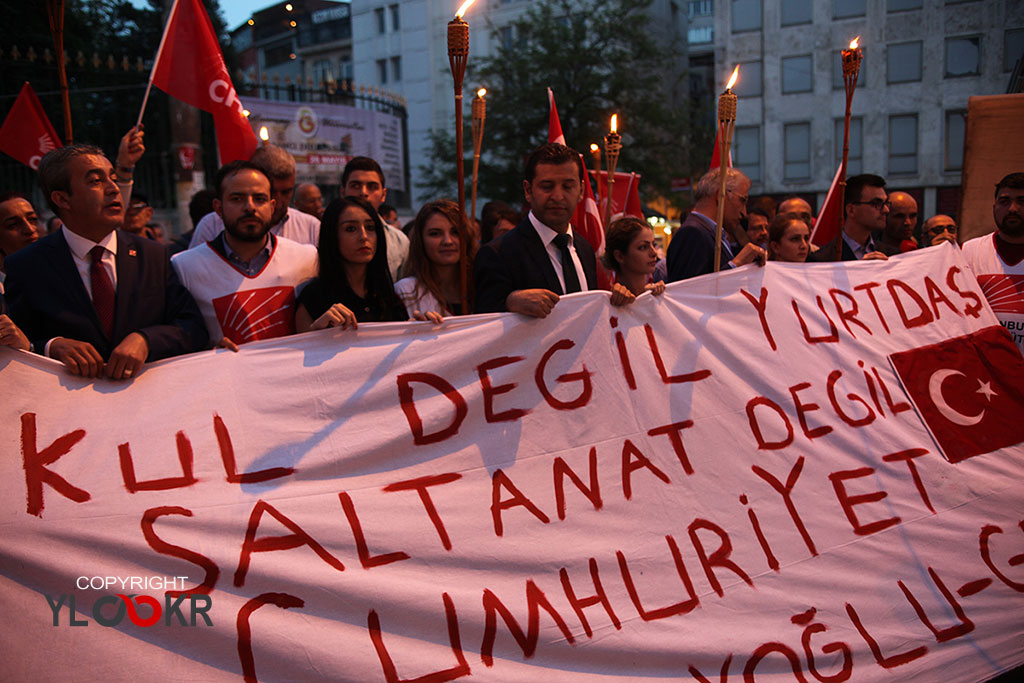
98 299
865 208
692 249
526 269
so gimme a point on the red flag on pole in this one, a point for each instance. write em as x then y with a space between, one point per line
189 66
826 226
587 218
26 133
715 160
554 125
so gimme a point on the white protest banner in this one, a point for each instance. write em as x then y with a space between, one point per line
323 137
724 482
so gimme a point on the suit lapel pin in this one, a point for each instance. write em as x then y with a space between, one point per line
131 252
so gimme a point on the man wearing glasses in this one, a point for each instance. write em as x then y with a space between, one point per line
866 207
692 249
938 229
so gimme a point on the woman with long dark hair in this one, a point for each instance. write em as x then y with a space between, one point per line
438 273
629 254
354 284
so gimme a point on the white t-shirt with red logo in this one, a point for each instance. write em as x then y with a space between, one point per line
1003 284
245 308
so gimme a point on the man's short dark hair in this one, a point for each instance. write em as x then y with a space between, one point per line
231 169
53 169
554 154
1013 181
361 164
200 205
760 212
855 186
385 209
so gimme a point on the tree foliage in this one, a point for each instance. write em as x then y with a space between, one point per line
599 57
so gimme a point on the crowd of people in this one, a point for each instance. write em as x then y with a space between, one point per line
103 295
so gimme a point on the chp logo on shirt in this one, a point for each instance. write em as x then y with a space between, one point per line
252 314
969 391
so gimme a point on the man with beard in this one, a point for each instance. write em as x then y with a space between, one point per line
998 259
898 234
286 221
100 300
245 279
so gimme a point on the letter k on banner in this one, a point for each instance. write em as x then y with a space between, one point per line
969 391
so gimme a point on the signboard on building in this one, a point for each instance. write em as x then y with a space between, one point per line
323 137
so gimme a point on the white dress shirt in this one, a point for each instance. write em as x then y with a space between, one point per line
547 236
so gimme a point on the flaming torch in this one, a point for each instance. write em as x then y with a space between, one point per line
851 67
264 134
612 147
479 114
458 53
726 123
595 152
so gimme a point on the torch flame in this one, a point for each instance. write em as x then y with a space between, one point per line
615 123
481 92
264 133
854 43
732 79
465 6
594 147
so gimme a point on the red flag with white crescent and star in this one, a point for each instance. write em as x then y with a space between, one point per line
969 391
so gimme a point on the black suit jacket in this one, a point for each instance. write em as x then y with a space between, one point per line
518 260
692 251
827 253
47 298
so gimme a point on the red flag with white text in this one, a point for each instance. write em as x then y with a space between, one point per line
969 391
826 225
190 67
26 133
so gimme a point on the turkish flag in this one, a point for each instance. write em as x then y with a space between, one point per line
716 154
554 125
189 67
26 133
969 391
252 314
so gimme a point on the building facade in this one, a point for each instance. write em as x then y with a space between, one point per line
922 60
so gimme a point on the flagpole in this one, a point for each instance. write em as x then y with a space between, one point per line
156 60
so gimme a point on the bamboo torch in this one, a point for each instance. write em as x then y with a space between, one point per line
726 123
458 54
479 111
851 67
612 147
55 13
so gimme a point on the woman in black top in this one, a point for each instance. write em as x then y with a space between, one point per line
354 283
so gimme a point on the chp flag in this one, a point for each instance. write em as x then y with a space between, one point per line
26 134
968 391
189 66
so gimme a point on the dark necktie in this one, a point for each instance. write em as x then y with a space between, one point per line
572 280
102 291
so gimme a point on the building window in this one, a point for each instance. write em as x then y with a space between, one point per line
378 15
1013 47
796 74
842 9
507 36
749 83
699 35
382 71
700 8
396 69
963 56
837 70
901 5
746 15
903 62
746 155
796 12
322 72
903 144
956 127
854 162
395 24
797 151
